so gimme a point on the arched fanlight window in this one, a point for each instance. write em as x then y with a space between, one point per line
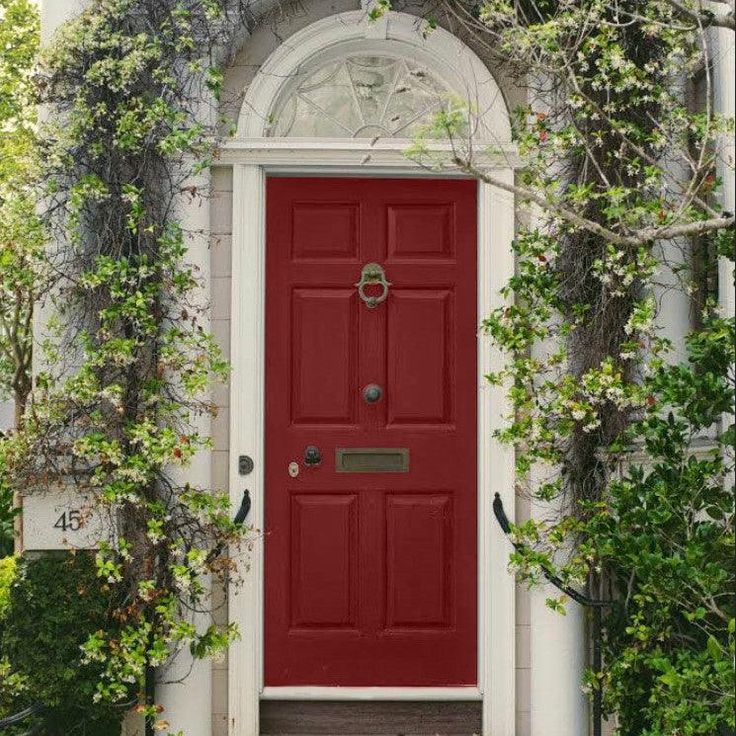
360 96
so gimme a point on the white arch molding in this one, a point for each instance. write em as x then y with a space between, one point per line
397 34
254 155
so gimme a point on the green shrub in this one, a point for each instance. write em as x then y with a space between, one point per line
7 575
7 513
667 538
55 604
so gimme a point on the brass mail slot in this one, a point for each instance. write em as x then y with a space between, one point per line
372 460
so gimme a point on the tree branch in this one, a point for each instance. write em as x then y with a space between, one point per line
645 235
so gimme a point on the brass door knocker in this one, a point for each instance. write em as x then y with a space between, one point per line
373 274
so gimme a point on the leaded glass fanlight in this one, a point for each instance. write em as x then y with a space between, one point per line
361 97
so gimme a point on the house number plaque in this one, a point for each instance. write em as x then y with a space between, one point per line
65 519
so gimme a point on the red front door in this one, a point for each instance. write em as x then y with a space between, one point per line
371 547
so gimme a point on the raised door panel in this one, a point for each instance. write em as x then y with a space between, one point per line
324 561
324 356
421 231
325 230
420 339
419 560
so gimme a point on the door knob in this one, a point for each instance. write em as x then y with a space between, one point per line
312 455
372 393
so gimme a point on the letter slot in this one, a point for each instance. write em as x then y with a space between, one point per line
372 460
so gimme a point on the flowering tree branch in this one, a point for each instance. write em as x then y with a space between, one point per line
640 237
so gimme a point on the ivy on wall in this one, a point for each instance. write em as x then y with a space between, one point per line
128 360
628 452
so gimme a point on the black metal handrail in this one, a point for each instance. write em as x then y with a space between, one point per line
578 597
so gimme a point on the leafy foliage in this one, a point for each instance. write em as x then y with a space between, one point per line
664 533
7 516
7 576
55 604
119 411
631 451
21 235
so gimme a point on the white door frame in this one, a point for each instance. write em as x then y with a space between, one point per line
253 157
496 619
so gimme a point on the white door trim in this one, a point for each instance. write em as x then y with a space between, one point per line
360 154
496 619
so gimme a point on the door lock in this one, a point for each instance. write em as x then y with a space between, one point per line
312 455
245 465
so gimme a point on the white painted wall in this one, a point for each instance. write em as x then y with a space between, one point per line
7 415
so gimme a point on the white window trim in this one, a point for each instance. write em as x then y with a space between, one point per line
252 158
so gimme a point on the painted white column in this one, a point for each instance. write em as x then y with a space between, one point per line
673 300
674 315
558 659
557 643
247 395
55 13
184 688
188 704
724 94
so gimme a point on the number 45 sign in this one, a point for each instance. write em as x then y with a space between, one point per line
71 520
63 519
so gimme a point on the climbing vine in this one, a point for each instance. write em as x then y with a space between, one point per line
117 408
627 442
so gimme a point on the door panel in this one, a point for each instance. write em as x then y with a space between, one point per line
420 327
325 230
371 576
418 561
324 356
324 575
421 231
